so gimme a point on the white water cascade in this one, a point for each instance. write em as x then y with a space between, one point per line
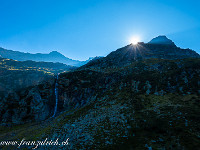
56 96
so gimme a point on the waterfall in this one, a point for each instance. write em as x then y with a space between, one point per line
56 96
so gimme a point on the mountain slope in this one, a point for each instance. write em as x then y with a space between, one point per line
142 51
136 106
123 101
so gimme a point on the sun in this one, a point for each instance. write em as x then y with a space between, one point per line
134 40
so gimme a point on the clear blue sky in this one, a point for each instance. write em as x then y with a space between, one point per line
85 28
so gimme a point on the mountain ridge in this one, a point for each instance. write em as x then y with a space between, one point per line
53 56
159 47
143 51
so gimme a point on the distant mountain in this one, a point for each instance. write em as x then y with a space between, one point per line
53 56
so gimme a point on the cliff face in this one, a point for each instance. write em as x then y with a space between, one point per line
28 105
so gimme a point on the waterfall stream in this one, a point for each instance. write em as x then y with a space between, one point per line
56 96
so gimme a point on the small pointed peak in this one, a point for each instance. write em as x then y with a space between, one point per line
54 52
162 39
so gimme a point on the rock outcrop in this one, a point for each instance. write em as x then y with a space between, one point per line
32 104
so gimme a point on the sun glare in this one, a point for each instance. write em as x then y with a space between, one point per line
134 40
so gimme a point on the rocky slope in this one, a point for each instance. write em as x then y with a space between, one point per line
27 105
123 101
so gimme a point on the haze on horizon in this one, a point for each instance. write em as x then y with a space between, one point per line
89 28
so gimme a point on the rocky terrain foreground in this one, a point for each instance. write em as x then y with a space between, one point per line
144 96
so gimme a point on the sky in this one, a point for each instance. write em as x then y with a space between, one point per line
80 29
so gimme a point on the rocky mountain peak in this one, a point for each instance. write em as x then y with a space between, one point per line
162 39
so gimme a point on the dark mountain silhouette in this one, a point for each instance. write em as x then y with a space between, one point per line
165 49
53 56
